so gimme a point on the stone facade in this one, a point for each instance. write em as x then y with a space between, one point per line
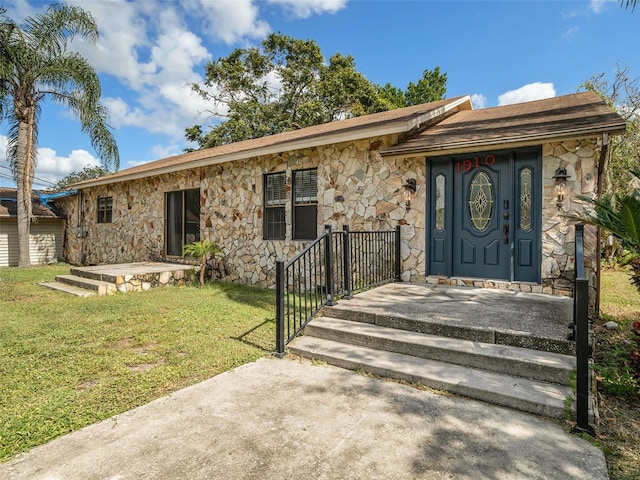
356 187
580 158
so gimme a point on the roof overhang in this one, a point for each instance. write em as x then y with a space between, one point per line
310 137
579 115
515 141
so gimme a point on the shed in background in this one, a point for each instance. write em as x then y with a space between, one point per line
47 230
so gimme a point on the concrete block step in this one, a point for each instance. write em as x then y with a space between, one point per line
100 287
66 288
443 329
515 361
522 394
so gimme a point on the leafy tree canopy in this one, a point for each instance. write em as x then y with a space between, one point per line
431 87
622 93
89 172
285 84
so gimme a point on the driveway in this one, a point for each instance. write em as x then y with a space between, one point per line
289 419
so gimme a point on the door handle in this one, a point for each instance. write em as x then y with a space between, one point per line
505 229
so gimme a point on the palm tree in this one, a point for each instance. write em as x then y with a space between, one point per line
619 214
202 250
35 65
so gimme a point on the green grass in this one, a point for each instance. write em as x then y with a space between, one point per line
67 362
618 432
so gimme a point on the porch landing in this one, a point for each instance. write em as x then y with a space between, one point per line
122 277
498 316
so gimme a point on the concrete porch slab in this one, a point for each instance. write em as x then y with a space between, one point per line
505 312
133 269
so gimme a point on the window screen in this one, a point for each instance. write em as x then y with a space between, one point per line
305 204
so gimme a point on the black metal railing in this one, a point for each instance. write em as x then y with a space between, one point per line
336 265
365 259
581 336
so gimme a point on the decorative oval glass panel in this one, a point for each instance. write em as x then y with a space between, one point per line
480 201
526 192
440 206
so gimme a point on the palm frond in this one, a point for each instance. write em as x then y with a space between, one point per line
617 214
49 32
629 3
629 221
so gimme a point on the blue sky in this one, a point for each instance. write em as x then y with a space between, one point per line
499 52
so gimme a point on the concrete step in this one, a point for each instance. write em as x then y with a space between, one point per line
66 288
94 275
515 361
98 286
440 328
519 393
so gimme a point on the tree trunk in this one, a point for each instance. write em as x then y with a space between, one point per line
203 267
24 181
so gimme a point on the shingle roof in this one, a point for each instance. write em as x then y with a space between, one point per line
392 121
579 114
9 205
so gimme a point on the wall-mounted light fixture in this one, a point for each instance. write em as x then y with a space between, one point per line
560 176
408 191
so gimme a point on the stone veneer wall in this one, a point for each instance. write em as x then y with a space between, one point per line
580 158
356 186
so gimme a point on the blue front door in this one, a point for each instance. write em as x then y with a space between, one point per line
484 215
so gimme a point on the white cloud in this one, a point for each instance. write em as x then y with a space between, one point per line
570 33
164 151
307 8
123 37
527 93
148 48
150 52
52 167
478 100
228 20
598 6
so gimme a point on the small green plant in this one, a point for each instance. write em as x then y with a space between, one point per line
568 400
202 250
616 380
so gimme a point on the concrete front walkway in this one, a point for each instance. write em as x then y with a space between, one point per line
288 419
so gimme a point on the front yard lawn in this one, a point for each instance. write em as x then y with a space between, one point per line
67 362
